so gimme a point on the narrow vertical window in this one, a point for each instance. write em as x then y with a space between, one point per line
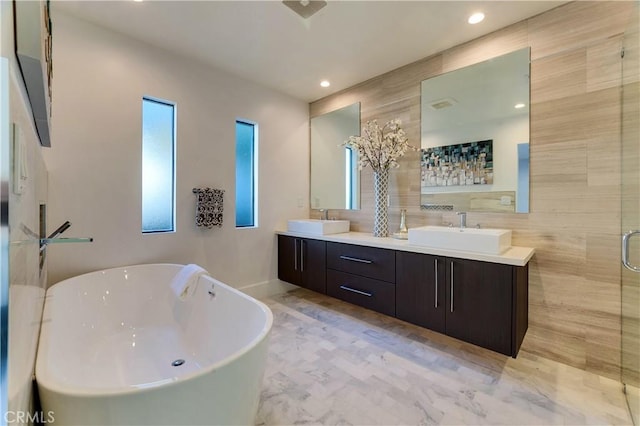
246 193
352 176
348 178
158 166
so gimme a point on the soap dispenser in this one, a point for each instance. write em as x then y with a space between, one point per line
403 232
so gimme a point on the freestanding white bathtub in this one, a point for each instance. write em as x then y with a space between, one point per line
110 340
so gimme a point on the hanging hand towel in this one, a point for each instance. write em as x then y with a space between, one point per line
209 207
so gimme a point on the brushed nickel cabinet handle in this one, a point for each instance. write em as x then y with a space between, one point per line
435 263
302 242
353 290
355 259
295 254
451 286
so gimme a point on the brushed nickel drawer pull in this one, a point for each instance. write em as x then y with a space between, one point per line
295 254
452 286
355 259
435 263
353 290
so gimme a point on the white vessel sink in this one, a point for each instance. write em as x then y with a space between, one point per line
318 226
490 241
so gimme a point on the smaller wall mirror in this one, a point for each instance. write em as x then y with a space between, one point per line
475 137
335 178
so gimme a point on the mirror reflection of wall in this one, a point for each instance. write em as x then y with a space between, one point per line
335 178
463 109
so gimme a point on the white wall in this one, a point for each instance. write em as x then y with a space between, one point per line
100 78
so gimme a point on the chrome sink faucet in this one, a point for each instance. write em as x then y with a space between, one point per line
463 219
324 214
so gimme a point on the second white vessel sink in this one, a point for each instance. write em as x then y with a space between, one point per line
490 241
318 226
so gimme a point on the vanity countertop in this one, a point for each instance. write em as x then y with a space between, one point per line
516 256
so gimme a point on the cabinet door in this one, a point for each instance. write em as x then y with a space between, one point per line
479 303
313 264
288 259
421 290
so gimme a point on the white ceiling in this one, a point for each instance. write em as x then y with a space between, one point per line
346 42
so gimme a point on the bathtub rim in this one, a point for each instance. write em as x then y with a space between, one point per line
95 393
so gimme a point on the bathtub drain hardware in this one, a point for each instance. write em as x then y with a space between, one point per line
177 363
212 294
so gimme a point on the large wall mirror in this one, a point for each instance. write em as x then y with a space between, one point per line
475 137
335 179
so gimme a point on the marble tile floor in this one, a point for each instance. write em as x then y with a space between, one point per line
337 364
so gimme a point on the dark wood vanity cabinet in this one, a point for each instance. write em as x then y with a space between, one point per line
479 302
302 261
372 294
482 303
421 289
361 275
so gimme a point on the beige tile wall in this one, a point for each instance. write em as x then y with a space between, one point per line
574 219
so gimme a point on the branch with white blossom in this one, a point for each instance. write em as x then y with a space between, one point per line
380 148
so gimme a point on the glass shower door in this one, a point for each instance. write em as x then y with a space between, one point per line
630 219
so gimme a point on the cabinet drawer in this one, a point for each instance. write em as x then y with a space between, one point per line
376 263
376 295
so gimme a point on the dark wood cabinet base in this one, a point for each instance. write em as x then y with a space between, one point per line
483 303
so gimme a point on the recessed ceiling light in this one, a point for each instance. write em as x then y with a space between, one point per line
138 1
518 106
475 18
325 83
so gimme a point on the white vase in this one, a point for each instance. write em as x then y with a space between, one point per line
381 189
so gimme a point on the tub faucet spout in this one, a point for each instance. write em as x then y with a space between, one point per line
54 237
